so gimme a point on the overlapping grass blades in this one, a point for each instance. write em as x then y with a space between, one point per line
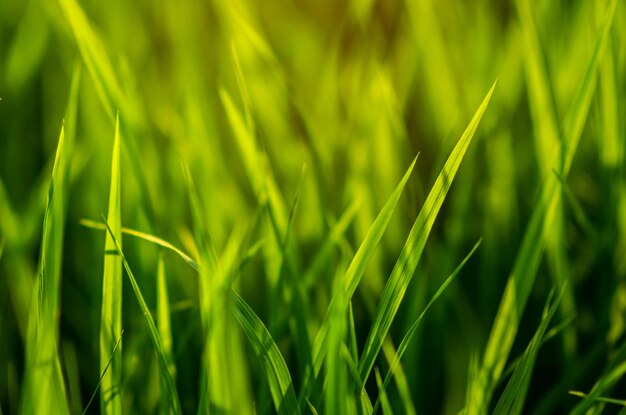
404 269
219 355
111 313
521 279
44 386
406 340
168 380
512 399
274 366
546 136
352 278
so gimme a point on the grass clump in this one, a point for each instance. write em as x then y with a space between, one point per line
297 261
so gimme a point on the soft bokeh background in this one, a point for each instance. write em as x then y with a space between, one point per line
354 90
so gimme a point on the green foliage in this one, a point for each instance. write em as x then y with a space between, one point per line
297 262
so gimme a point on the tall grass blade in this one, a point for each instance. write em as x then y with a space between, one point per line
522 277
44 388
546 135
274 366
403 271
164 324
406 340
111 313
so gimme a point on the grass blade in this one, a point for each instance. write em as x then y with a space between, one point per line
402 273
44 387
274 366
106 368
512 399
111 313
146 237
354 274
522 277
168 380
164 324
404 344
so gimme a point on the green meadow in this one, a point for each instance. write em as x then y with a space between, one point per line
312 207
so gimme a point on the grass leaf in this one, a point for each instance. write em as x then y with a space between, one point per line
272 362
522 277
512 399
403 271
354 274
44 388
406 340
111 314
168 380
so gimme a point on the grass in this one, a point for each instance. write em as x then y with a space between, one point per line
304 259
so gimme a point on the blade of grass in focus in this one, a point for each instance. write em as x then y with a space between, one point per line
146 237
164 324
403 271
273 364
111 313
524 270
168 380
44 390
406 340
352 278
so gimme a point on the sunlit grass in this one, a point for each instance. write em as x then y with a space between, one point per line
247 173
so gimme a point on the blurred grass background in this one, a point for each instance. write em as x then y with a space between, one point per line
354 91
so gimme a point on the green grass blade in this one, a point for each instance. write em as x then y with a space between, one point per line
354 274
168 380
546 135
613 401
95 57
272 362
44 388
146 237
382 395
613 373
404 269
164 324
512 399
404 344
218 358
336 381
524 270
106 368
111 313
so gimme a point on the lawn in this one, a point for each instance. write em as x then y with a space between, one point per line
358 207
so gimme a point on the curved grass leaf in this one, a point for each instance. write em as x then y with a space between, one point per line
272 362
403 271
146 237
